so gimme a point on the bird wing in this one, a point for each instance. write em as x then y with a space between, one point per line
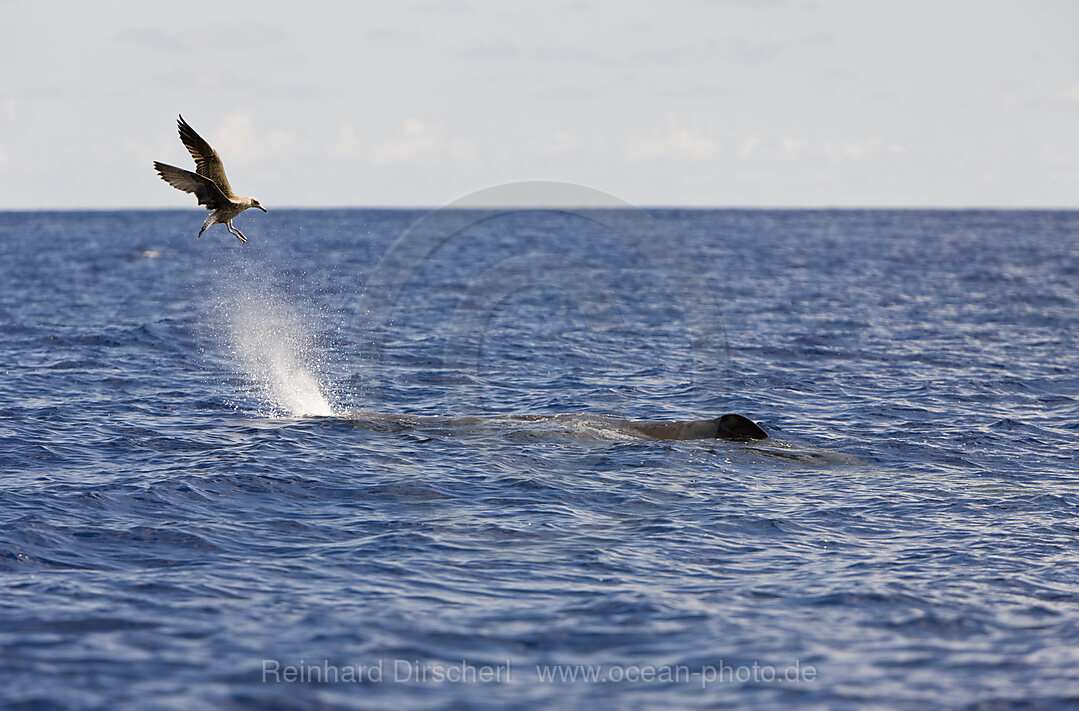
207 162
207 191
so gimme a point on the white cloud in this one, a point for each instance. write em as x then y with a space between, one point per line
673 143
1055 156
791 148
236 134
1069 93
236 138
561 143
862 149
462 150
418 140
9 112
234 37
347 142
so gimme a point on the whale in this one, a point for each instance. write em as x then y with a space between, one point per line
731 427
747 435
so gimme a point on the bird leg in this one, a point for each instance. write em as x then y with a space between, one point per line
235 232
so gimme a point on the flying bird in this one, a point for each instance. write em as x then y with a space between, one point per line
208 183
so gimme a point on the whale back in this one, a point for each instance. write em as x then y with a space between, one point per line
738 428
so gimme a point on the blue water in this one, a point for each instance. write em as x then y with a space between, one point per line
209 476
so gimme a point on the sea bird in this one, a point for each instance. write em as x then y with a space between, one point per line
208 183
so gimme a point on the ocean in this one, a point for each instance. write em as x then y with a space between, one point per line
372 459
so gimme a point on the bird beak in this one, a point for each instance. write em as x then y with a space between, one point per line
262 208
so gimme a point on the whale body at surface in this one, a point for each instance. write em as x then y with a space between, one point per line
730 427
736 428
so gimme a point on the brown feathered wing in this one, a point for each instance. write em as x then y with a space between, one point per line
202 187
207 162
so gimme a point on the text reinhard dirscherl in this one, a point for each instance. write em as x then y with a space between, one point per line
402 671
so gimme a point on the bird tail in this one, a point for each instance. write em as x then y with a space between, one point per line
209 221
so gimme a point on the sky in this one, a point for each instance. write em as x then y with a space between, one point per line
739 103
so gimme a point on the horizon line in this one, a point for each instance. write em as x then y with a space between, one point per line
585 206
